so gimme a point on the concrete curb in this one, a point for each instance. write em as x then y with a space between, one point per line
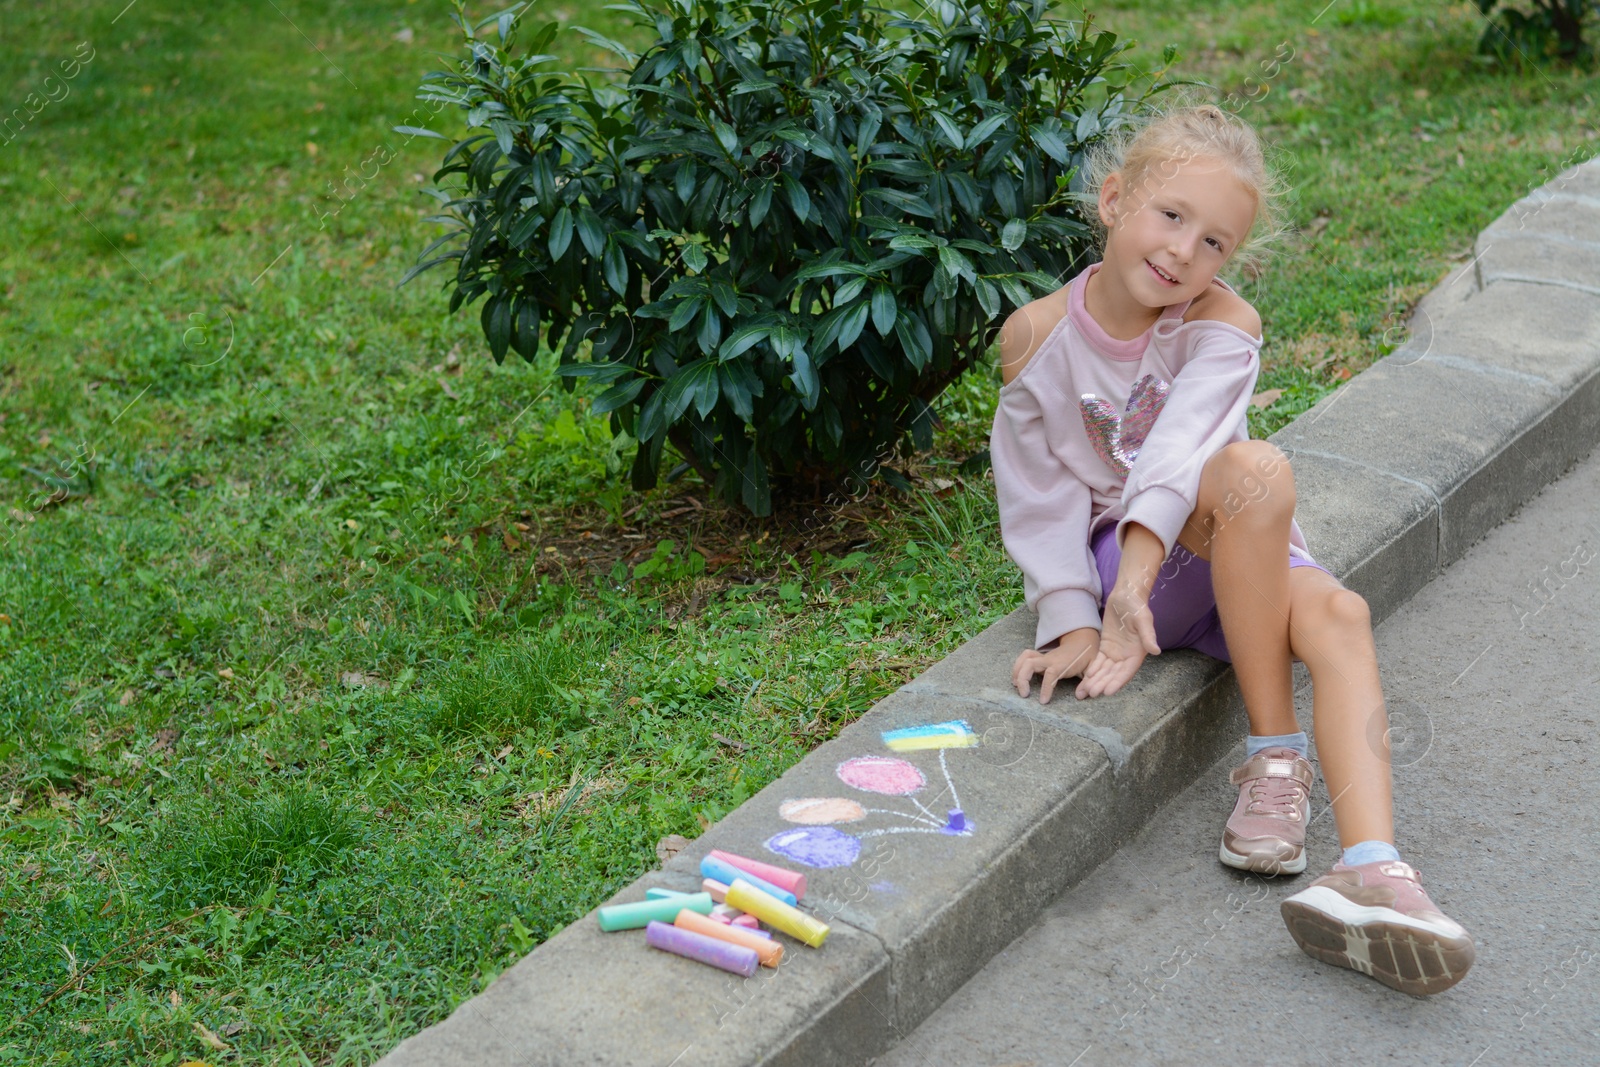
1495 393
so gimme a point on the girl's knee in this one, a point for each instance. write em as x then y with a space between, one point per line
1342 615
1348 610
1250 477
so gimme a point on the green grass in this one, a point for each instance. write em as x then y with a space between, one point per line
336 671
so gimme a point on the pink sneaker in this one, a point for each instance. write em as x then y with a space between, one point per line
1377 919
1267 831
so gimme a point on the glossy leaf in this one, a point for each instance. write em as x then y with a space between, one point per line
496 321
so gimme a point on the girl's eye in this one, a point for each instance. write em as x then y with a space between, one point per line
1171 214
1214 243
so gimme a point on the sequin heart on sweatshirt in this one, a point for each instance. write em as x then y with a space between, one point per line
1118 438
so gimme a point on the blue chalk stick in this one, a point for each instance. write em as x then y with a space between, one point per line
727 873
657 893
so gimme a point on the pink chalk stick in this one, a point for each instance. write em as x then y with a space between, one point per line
724 919
782 877
722 913
718 890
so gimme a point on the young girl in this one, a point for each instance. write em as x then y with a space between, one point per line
1128 487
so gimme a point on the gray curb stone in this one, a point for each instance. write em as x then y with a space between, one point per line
1495 393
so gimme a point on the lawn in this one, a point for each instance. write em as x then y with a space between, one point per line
336 669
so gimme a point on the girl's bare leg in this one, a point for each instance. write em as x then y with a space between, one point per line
1270 612
1241 524
1330 628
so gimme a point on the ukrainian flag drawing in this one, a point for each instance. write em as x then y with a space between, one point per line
953 734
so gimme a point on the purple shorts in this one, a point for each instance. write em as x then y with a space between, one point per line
1181 601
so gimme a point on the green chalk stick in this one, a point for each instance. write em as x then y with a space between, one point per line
637 916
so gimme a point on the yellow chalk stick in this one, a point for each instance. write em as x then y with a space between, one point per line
777 914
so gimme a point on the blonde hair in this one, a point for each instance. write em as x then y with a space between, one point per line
1189 131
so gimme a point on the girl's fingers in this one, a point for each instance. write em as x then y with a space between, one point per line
1022 672
1091 677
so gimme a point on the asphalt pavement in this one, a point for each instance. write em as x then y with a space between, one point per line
1163 956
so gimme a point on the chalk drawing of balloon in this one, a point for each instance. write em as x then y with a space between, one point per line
820 811
881 774
898 778
816 846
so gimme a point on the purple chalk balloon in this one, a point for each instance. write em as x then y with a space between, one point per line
816 846
690 945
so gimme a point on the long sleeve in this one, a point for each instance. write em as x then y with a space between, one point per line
1044 518
1204 411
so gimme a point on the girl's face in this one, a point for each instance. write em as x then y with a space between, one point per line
1169 233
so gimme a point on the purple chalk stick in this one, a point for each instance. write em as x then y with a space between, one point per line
690 945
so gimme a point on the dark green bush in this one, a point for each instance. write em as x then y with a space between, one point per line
783 229
1553 29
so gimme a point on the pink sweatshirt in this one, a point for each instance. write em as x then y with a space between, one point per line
1071 453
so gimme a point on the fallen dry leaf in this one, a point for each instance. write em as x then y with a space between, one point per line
126 698
361 680
670 846
233 1028
165 739
737 746
1266 398
226 672
210 1038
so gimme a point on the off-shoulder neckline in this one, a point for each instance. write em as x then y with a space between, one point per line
1169 325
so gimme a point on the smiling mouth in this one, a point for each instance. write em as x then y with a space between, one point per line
1163 275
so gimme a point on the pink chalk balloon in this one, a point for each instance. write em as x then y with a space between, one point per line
820 811
881 774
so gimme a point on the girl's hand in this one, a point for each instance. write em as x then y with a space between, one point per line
1127 635
1067 660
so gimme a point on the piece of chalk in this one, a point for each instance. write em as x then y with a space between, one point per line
724 914
723 871
634 916
775 913
657 893
686 943
782 877
718 890
766 949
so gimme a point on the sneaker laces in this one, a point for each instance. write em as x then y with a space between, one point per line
1275 796
1401 869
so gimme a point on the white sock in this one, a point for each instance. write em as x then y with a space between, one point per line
1369 852
1254 744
